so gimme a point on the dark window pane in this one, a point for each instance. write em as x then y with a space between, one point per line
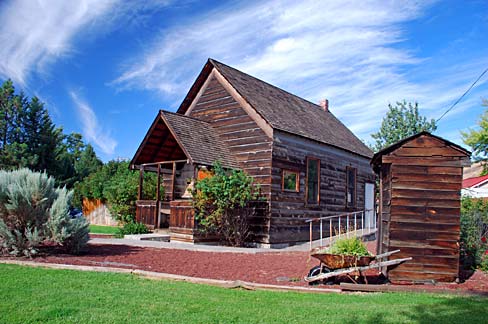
312 181
351 187
290 180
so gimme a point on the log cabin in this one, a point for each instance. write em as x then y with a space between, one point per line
419 210
307 162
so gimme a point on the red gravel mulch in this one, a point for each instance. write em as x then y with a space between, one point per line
282 268
269 268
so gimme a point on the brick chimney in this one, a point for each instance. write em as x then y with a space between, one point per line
324 103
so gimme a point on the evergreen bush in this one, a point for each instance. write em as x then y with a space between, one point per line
32 211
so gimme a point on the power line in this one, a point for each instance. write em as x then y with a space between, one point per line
465 93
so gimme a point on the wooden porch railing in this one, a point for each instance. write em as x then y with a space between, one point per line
146 212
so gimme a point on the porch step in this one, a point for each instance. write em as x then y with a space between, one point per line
181 235
148 237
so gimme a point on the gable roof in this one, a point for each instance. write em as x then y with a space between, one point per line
282 110
387 150
471 182
198 140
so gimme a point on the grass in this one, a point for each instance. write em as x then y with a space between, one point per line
98 229
35 295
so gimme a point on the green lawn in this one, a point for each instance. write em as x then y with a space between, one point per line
34 295
98 229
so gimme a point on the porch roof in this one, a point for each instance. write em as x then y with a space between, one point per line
175 137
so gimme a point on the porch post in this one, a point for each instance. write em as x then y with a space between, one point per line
173 178
158 193
141 180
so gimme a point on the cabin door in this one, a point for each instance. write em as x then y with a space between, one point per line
369 205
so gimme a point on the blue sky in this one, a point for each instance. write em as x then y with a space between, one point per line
104 68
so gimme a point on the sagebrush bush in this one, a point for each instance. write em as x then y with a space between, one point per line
32 211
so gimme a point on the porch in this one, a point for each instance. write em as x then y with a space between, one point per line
177 148
172 208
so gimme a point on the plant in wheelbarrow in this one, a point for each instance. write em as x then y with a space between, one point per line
343 253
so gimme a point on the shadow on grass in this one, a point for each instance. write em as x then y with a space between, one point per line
458 309
90 250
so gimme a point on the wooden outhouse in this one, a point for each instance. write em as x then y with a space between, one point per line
420 185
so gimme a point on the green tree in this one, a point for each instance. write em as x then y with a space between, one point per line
87 163
478 139
7 96
401 121
42 137
30 139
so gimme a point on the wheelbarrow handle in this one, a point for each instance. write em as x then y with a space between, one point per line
384 255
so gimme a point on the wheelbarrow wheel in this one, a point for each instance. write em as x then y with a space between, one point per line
316 271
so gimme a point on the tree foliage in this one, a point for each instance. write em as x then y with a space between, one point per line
220 202
117 186
474 231
478 139
29 139
33 210
401 121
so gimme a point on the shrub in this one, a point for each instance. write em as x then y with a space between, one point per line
484 262
132 228
349 246
32 210
221 204
117 186
474 231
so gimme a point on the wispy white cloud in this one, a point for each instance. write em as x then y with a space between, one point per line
351 52
34 33
92 130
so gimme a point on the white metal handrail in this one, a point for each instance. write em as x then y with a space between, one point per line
339 219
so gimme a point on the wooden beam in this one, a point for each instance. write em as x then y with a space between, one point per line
166 162
161 142
141 181
173 178
158 194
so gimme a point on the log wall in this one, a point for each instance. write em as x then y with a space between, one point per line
289 209
244 137
421 184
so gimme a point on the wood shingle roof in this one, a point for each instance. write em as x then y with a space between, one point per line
284 111
199 140
173 137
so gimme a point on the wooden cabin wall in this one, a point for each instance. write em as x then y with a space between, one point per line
424 218
245 139
289 209
183 172
384 217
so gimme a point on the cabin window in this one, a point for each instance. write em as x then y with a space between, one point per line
313 181
350 187
290 181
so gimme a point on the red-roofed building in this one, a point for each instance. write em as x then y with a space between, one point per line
476 187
